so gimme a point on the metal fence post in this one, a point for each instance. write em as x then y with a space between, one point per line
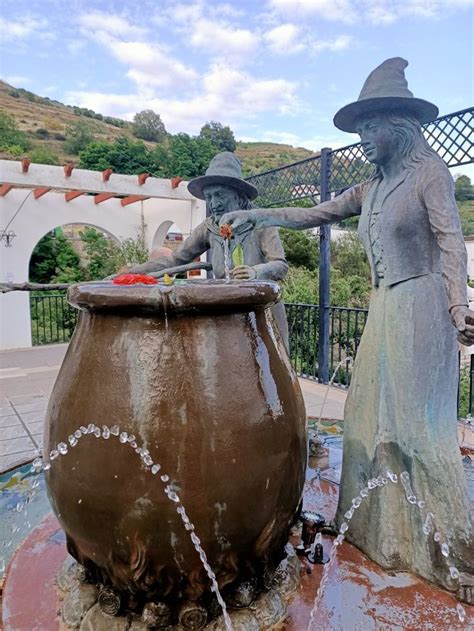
324 272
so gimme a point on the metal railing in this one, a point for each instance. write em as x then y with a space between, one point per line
52 318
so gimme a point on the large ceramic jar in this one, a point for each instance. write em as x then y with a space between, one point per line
199 375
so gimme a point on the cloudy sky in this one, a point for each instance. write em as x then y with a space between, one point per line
274 70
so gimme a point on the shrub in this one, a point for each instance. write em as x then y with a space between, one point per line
42 133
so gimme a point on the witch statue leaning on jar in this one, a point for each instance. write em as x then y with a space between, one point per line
401 407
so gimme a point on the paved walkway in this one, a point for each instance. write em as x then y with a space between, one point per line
27 377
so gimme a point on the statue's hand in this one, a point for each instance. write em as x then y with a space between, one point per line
239 220
463 320
243 272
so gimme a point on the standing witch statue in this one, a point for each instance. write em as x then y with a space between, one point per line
401 409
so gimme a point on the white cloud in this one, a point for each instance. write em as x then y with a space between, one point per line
222 39
285 39
342 42
105 22
149 65
12 30
16 80
224 92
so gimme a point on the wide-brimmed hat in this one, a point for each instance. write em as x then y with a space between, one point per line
224 168
385 89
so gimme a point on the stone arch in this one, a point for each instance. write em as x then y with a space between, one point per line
160 234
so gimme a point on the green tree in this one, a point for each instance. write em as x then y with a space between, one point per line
149 126
11 138
349 257
106 257
123 156
78 136
54 261
221 137
463 188
185 156
301 248
42 155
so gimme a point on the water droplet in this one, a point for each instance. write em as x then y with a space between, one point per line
356 502
411 499
165 478
46 466
155 468
461 612
37 463
83 430
78 434
421 503
148 460
349 514
115 430
19 507
437 536
105 432
405 476
90 428
364 492
393 477
53 454
454 572
73 441
445 549
97 432
79 501
133 444
180 510
131 438
195 539
35 484
383 481
172 496
371 484
338 540
62 448
123 437
189 526
344 528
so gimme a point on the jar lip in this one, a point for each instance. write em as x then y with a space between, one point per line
195 295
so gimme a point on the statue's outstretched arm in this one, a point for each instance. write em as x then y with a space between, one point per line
196 244
346 205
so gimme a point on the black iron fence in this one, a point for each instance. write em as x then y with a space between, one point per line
52 318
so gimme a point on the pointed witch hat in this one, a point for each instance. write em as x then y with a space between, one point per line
224 168
385 89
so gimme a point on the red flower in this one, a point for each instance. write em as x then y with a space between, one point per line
225 231
133 279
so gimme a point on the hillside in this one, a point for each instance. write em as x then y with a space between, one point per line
45 122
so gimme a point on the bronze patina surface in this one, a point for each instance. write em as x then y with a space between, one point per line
198 373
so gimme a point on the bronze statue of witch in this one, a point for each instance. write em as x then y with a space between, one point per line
401 409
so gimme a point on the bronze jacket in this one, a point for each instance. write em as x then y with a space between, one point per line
419 232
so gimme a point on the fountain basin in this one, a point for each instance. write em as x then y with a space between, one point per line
199 375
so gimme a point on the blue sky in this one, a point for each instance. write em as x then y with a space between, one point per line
274 70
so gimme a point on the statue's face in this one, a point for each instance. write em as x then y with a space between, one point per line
378 141
221 199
